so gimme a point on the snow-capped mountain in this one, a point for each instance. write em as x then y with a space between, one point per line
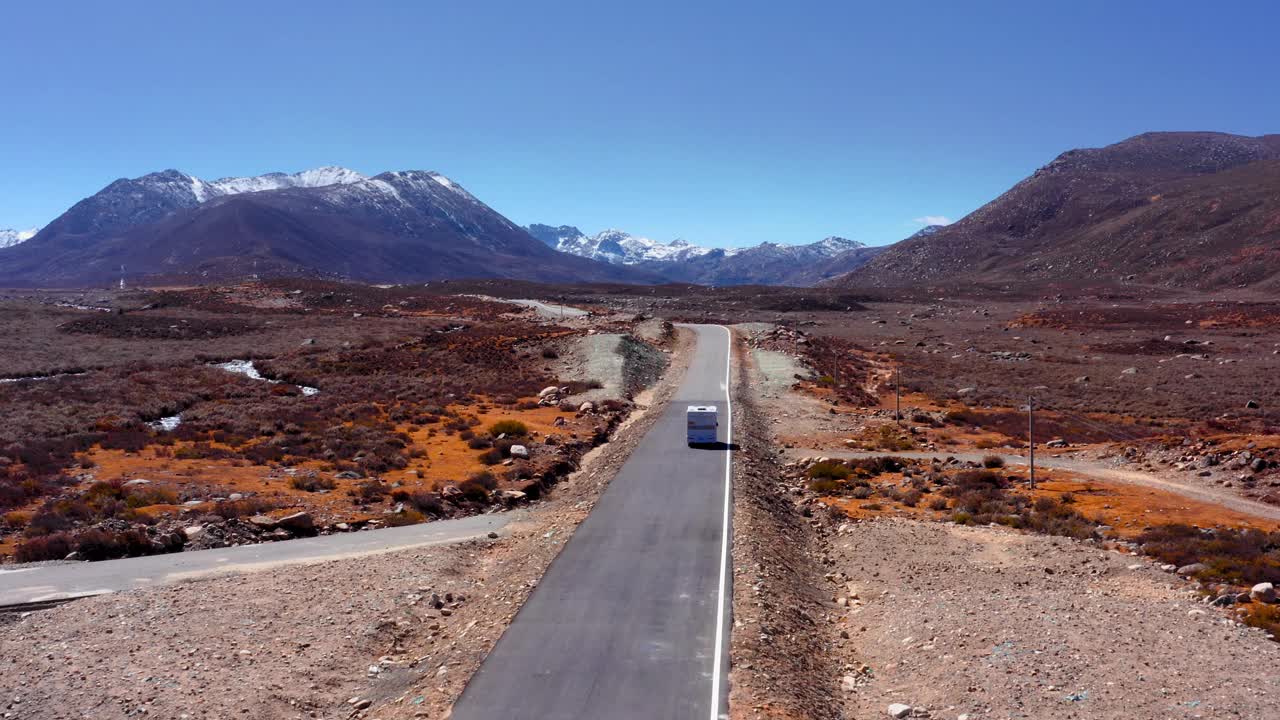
678 260
614 246
319 177
9 238
397 226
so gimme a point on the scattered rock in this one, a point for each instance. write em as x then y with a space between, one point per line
899 710
1263 593
299 523
264 522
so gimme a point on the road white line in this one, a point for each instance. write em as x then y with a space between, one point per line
724 530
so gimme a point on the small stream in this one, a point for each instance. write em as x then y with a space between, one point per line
239 367
35 378
247 368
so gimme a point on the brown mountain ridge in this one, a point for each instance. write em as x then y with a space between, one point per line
1176 209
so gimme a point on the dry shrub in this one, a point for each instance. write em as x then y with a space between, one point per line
477 487
892 438
229 509
510 428
312 483
829 471
1266 617
992 462
17 519
405 517
370 491
1243 557
48 547
981 497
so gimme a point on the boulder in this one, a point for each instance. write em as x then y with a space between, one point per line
263 522
193 531
137 482
511 496
299 523
519 451
899 710
549 390
1192 569
586 407
1263 593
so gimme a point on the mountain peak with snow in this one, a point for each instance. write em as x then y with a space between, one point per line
681 260
9 237
317 177
614 246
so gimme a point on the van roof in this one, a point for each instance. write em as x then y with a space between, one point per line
702 408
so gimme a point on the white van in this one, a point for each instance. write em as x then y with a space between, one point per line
703 420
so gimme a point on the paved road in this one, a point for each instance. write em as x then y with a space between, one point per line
39 583
1083 466
631 619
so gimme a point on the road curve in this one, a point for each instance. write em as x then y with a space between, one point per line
631 619
22 584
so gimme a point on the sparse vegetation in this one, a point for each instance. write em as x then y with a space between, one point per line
510 428
312 483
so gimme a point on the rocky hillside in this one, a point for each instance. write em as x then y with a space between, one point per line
1173 209
331 222
680 261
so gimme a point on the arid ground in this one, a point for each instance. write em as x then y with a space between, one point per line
889 547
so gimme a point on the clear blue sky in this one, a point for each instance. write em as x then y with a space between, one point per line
723 123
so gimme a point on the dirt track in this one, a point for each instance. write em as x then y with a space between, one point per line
1087 467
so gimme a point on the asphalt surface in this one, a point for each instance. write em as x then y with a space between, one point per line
630 620
40 583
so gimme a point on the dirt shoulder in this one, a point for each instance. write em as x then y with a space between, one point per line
994 623
388 636
782 661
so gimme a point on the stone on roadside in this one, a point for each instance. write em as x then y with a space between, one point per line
298 523
1263 593
264 522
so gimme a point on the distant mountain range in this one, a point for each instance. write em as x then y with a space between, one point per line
9 238
679 261
1176 209
330 222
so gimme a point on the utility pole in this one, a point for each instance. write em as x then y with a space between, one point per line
1031 437
897 390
